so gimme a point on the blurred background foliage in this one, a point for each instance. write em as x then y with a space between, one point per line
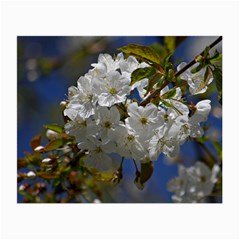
47 66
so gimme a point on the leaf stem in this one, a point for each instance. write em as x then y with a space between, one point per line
135 165
208 152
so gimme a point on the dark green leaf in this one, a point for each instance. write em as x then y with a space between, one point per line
171 93
54 144
143 52
217 75
197 69
217 59
218 148
152 81
168 105
166 59
56 182
55 127
215 55
142 73
206 52
202 139
160 49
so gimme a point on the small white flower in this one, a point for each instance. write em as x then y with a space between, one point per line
81 128
203 108
22 187
107 119
83 99
178 108
143 118
164 141
113 89
187 128
106 64
98 156
194 183
127 143
195 80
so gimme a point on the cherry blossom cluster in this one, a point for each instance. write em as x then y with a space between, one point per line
105 117
194 183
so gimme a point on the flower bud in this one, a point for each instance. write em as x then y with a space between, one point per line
198 58
63 105
96 200
39 149
23 187
31 174
50 134
46 160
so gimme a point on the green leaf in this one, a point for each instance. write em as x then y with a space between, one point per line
168 105
160 49
167 59
170 43
33 158
206 52
54 144
171 93
35 142
48 176
143 52
218 148
55 127
142 73
217 75
152 81
217 59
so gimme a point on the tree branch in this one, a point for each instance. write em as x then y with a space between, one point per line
157 91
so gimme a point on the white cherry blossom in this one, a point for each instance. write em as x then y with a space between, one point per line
195 80
108 120
194 183
98 153
112 90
